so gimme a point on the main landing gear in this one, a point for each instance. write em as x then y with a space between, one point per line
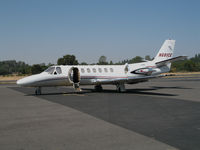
98 88
120 88
38 91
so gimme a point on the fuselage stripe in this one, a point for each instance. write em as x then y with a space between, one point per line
83 77
101 77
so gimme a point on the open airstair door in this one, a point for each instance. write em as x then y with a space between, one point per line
74 77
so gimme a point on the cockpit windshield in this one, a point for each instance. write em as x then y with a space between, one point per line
50 70
58 69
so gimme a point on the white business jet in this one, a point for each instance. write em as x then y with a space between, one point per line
98 75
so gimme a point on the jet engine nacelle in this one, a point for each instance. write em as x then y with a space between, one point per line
143 71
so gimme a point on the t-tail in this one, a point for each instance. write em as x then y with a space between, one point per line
164 58
166 51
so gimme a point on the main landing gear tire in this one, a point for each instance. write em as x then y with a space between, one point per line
98 88
120 88
38 91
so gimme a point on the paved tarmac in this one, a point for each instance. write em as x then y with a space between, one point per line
162 114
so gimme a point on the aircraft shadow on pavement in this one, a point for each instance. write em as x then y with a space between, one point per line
141 91
48 91
61 91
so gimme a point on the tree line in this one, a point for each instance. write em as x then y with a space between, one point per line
21 68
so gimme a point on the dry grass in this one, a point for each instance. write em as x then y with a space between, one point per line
184 73
10 78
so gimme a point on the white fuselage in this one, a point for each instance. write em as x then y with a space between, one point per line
91 75
104 74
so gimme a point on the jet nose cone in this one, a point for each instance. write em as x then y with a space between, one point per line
23 82
28 81
20 82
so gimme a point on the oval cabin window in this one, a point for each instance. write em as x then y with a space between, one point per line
88 70
94 70
100 70
111 70
82 70
105 69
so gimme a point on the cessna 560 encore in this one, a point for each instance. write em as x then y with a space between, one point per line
98 75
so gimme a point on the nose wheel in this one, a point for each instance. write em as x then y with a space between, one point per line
38 91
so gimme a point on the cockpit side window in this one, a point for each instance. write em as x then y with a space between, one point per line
58 70
50 70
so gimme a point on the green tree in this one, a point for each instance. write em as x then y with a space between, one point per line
178 66
190 66
24 70
67 60
111 63
35 69
83 63
147 57
136 59
102 60
11 66
3 70
196 58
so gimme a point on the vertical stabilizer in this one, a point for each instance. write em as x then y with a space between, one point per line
166 51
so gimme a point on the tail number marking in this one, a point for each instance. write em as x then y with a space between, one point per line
165 54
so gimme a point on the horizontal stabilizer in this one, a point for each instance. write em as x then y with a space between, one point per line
165 62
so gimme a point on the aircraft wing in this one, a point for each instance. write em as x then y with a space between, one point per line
111 81
130 80
164 62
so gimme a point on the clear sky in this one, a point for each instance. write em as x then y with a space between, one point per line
37 31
